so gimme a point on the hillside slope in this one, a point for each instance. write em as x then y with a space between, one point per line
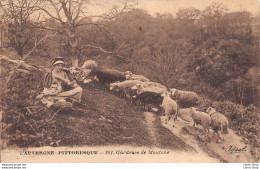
102 119
105 119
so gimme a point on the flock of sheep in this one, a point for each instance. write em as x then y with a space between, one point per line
155 96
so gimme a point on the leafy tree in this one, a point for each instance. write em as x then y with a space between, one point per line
212 16
188 14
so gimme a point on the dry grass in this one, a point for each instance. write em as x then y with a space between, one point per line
104 119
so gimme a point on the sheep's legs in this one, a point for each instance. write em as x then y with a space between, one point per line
222 137
162 111
218 137
168 118
149 108
176 115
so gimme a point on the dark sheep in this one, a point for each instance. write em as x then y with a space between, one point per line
150 98
108 75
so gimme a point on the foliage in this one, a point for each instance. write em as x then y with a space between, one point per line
212 52
19 94
189 49
211 48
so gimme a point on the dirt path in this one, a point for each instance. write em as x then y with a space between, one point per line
161 137
188 139
232 141
150 119
220 151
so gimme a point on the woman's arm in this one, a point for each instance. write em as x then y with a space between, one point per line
60 76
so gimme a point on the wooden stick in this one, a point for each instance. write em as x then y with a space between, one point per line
21 61
54 114
27 108
29 124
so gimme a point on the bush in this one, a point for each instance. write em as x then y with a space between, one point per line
25 123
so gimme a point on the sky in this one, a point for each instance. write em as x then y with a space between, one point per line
99 7
172 6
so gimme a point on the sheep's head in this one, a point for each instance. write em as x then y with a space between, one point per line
128 73
85 65
165 94
95 78
112 86
211 110
89 64
127 77
192 110
173 91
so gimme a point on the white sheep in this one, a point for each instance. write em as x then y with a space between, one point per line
201 118
185 98
153 89
124 87
124 84
89 64
169 106
149 85
153 84
219 122
185 114
128 73
142 87
130 76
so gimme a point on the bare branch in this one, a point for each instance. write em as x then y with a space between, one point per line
21 61
41 26
51 29
29 124
69 6
108 52
48 13
66 11
78 11
107 34
56 9
114 12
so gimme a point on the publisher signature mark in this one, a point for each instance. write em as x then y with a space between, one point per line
233 149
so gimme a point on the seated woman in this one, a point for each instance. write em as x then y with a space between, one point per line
62 86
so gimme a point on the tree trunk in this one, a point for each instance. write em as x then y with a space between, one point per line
75 55
73 42
75 61
1 43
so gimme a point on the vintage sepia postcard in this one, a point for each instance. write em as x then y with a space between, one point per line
129 81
